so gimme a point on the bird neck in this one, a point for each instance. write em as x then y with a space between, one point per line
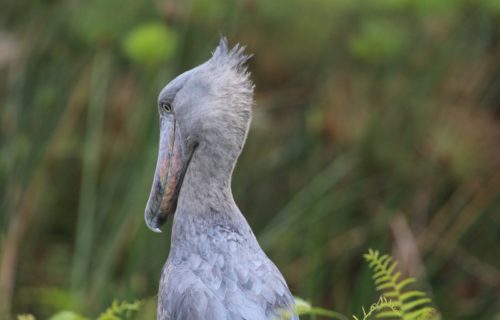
206 188
206 206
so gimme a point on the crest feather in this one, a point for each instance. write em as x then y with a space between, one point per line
233 58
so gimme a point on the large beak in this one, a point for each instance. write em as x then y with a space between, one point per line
170 169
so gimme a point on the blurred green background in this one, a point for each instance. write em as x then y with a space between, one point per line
376 125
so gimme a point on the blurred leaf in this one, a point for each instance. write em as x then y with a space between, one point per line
48 300
150 44
378 41
301 305
67 315
120 310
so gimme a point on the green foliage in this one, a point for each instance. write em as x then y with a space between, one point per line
117 311
67 315
377 307
52 298
394 303
303 307
405 304
120 310
150 44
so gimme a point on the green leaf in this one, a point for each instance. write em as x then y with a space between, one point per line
392 267
411 295
301 305
67 315
404 283
382 279
411 305
150 44
384 286
389 314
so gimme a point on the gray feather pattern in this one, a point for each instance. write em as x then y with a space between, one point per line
246 286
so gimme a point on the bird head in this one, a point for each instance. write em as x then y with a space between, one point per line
205 108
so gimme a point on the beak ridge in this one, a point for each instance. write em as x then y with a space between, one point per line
170 169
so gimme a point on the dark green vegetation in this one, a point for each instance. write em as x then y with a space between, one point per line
376 125
396 301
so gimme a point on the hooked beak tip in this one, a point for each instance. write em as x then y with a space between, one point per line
157 230
153 225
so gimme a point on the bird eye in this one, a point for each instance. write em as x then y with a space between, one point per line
166 107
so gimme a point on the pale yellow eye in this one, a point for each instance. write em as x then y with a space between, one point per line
166 107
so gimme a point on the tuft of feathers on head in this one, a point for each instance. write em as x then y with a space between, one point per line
234 58
230 75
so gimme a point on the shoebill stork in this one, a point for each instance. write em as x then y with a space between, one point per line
215 268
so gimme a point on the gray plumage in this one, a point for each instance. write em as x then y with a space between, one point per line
215 268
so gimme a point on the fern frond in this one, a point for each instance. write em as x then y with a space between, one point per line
388 314
415 303
381 306
119 311
420 314
411 294
410 305
404 283
428 313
